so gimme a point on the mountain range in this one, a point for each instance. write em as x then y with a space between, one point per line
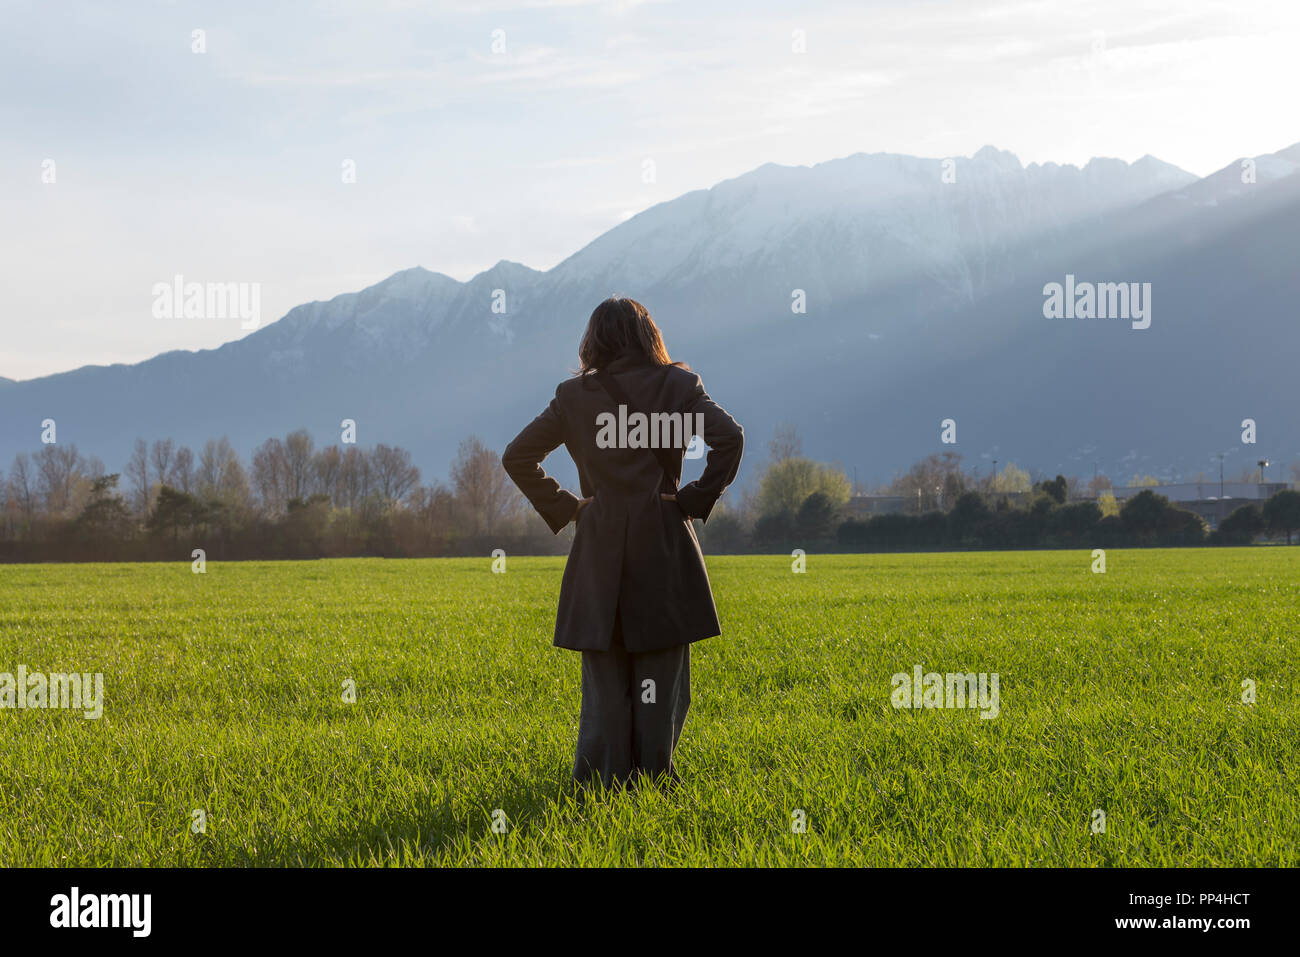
923 284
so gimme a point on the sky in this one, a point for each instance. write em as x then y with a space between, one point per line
133 150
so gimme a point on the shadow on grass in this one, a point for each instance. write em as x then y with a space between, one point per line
450 830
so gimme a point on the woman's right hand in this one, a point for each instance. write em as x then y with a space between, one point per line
582 503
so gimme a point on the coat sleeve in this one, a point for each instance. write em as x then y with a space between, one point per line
523 458
726 440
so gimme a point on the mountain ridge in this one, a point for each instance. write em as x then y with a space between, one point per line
892 261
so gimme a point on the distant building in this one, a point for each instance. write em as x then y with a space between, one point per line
864 506
1205 498
1205 491
1199 497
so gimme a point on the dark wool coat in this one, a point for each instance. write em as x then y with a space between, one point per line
633 554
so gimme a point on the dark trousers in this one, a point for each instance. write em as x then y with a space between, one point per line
633 709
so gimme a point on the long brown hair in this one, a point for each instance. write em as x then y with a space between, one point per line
617 326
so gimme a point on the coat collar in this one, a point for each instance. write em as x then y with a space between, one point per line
627 360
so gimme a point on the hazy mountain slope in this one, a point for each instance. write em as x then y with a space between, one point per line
923 301
1062 395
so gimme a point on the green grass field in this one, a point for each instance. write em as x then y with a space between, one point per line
223 692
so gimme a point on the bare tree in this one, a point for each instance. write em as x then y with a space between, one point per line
1098 484
60 469
785 443
434 507
327 467
182 472
935 481
137 473
161 457
483 488
22 489
271 476
354 478
393 475
298 451
220 475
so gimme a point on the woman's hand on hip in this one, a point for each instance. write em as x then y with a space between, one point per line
673 498
582 503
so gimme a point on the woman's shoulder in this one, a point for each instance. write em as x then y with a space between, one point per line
684 377
575 384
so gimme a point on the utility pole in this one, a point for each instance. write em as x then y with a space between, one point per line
1220 489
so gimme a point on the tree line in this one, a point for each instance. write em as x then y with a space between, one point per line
293 499
801 503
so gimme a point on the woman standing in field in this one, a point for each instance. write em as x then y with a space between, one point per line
635 593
